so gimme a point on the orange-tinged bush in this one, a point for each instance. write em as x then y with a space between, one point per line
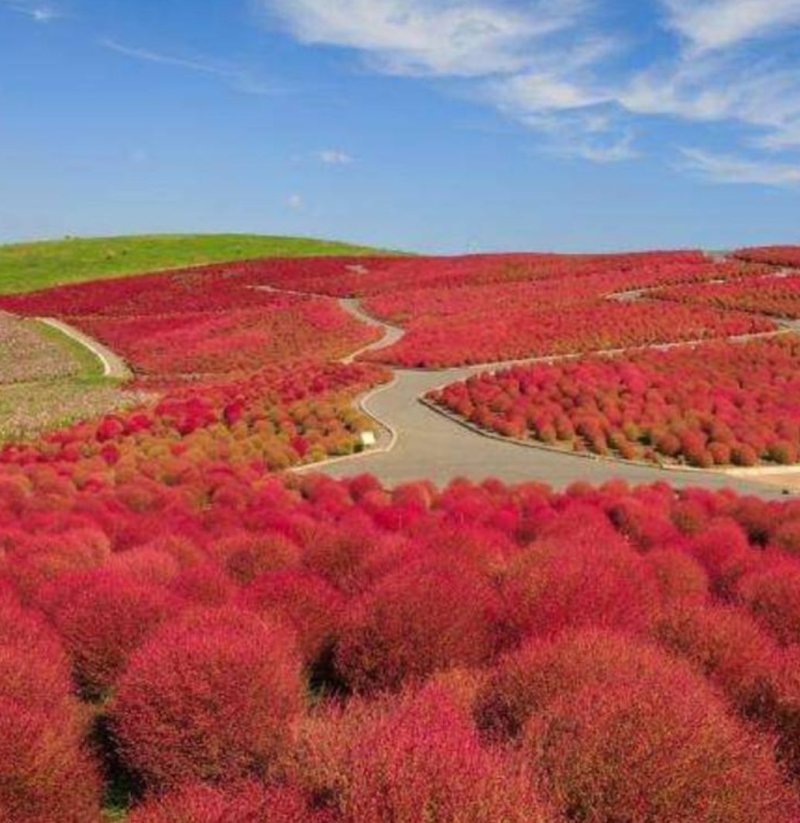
209 698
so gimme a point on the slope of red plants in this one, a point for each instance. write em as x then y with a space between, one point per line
487 333
788 256
714 404
200 322
777 296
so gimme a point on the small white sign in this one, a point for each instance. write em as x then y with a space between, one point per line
368 439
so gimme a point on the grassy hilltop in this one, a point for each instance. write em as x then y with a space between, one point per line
30 266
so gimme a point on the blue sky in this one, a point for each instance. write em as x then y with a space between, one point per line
439 125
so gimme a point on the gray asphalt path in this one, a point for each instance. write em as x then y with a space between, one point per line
433 447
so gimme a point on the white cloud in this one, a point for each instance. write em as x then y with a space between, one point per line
717 24
563 70
335 157
37 12
239 78
462 38
295 202
727 168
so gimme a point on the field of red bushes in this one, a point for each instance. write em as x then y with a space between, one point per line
710 405
494 334
200 322
230 646
783 256
777 296
189 635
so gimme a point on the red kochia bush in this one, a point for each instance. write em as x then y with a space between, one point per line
45 772
249 802
304 601
102 618
579 573
727 646
773 596
416 757
209 698
525 681
661 747
415 621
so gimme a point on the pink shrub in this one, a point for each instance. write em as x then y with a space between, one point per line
209 698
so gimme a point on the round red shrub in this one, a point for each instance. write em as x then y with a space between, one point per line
723 550
102 617
248 802
305 602
773 596
526 680
415 621
210 698
680 577
245 555
661 747
204 585
416 757
728 647
45 772
567 582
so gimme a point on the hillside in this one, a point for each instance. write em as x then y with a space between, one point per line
29 266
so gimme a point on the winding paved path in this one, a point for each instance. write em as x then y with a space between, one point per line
428 445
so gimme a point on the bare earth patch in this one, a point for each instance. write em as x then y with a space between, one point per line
26 410
28 355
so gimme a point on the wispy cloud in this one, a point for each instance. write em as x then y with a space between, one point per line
459 38
563 69
237 77
726 168
716 24
295 202
38 12
335 157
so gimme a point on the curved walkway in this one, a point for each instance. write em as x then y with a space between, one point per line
113 365
428 445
